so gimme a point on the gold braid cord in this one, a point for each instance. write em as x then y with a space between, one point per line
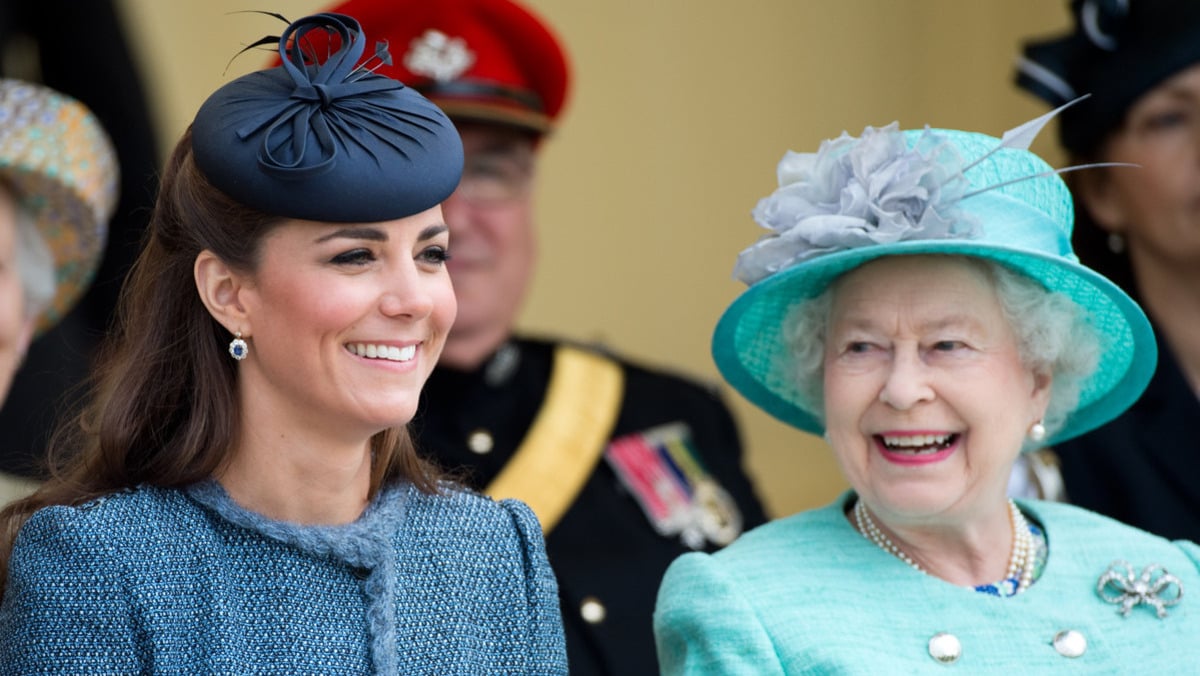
567 438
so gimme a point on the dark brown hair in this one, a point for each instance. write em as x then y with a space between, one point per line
163 409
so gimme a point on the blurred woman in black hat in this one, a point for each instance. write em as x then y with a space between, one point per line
1139 63
244 490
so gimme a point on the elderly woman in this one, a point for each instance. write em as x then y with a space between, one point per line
918 303
58 178
1140 63
241 493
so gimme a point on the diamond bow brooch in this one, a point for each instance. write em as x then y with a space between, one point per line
1155 587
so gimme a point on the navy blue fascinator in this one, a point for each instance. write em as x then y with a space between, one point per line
1117 51
327 140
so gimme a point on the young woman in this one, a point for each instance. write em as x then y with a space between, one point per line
241 493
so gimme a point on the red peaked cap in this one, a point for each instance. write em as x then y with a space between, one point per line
513 70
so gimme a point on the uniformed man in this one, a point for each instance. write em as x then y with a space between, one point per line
626 467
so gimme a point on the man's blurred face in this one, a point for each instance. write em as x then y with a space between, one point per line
493 246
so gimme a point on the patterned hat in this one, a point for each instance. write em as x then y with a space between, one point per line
1117 51
903 193
320 137
62 166
484 60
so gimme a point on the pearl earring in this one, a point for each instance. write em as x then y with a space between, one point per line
238 347
1116 243
1037 432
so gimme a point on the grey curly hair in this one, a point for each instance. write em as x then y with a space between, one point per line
1053 335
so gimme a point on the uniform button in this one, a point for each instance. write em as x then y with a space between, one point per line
480 442
1070 643
945 648
592 611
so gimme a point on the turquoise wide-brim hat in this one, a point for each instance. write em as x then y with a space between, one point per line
903 193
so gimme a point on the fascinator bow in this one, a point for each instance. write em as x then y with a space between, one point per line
323 137
331 98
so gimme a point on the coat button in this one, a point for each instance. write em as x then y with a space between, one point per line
945 648
1070 643
480 442
592 611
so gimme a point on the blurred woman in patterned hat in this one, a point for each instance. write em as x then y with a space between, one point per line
58 179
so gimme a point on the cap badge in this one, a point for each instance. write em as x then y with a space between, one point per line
438 56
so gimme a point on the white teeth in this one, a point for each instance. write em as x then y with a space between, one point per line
916 440
388 352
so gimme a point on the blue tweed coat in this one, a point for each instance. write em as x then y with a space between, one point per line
809 595
166 581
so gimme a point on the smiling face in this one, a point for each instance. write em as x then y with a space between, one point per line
927 400
345 322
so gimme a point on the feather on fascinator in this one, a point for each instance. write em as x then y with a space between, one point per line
325 139
926 191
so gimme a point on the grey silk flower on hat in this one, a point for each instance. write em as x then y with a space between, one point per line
856 192
884 187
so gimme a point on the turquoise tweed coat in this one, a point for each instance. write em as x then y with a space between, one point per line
809 595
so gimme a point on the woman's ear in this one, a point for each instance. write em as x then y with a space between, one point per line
1043 383
1101 201
220 288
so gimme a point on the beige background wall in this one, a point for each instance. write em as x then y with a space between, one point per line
680 110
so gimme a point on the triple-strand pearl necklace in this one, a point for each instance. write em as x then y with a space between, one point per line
1020 563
